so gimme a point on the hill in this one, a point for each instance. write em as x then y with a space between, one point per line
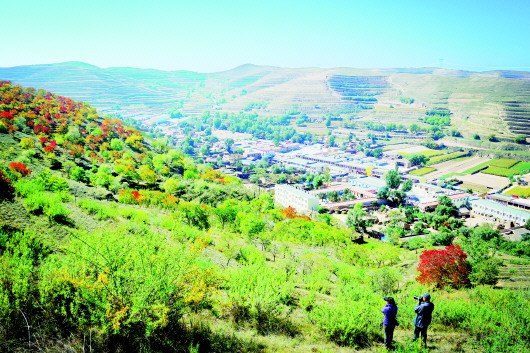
495 102
111 241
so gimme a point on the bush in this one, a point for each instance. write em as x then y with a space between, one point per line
354 319
100 210
50 204
97 281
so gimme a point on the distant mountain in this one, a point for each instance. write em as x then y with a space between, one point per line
485 102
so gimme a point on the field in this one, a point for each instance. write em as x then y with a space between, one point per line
455 167
500 167
423 171
518 191
446 157
504 163
504 172
485 180
428 153
523 167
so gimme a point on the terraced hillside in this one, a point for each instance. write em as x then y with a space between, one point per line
496 102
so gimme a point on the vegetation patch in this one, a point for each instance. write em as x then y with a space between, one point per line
446 157
422 171
503 163
518 191
500 171
523 167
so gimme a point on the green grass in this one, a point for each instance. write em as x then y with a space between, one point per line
422 171
519 191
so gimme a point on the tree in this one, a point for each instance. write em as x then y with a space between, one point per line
356 218
417 159
407 185
448 267
229 142
392 179
520 139
476 136
414 128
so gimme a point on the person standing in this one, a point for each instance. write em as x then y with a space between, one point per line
423 318
390 311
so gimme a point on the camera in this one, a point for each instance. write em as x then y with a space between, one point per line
418 297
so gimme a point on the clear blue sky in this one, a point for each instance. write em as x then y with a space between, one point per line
217 35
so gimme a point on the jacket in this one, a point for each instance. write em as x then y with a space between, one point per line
423 314
390 311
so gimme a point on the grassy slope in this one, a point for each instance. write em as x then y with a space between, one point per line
317 269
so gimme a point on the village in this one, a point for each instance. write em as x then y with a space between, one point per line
349 178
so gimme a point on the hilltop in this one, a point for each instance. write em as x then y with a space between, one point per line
494 102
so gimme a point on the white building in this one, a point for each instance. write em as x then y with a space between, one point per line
499 212
286 195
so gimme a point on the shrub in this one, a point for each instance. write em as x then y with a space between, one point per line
52 182
258 296
19 168
100 210
99 282
27 143
353 320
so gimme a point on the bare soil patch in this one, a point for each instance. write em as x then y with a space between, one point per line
455 166
486 180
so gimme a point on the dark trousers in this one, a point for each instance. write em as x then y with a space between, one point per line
420 331
389 334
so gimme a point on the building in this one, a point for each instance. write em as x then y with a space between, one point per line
289 196
499 212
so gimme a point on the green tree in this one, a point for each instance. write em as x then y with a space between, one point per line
520 139
356 218
393 179
417 159
407 185
229 142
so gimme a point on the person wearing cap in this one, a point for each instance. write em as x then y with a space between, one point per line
423 318
389 320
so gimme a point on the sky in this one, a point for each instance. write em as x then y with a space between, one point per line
217 35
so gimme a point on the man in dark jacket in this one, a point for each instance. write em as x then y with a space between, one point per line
423 318
389 320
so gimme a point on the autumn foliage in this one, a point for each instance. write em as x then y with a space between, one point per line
290 212
19 168
444 268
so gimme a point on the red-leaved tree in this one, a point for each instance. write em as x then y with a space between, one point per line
444 268
19 168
